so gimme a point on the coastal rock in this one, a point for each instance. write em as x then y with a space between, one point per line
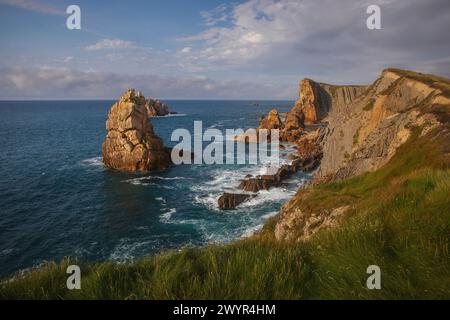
294 120
229 201
258 183
363 128
317 99
131 143
155 108
271 121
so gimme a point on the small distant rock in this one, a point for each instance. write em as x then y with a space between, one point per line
155 108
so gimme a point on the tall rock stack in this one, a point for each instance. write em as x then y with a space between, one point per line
131 143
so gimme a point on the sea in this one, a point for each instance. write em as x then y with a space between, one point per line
58 200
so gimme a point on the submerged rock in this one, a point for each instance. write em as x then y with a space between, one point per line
131 143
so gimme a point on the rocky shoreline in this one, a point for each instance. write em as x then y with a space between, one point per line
337 131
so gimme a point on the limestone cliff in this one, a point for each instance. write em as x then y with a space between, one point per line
365 126
365 134
317 100
131 143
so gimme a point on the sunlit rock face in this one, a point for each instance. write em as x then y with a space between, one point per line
131 143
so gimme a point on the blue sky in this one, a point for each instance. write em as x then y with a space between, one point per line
249 49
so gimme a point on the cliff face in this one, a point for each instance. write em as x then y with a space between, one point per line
365 127
131 143
317 100
365 134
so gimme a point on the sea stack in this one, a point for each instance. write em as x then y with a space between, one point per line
131 143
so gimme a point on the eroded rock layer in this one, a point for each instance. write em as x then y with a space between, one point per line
362 132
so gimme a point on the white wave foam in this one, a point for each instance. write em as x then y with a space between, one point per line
162 200
149 181
126 250
170 115
140 182
165 217
272 195
93 162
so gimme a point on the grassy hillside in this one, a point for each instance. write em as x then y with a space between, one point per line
400 220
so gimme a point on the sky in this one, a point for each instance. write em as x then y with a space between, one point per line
209 49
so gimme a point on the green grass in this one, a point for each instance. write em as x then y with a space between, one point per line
399 219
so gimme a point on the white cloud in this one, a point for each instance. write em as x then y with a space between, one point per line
325 39
65 83
186 50
215 16
68 59
110 44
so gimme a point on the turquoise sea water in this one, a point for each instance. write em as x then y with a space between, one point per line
56 198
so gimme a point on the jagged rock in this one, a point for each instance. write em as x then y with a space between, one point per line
271 121
317 98
230 201
258 183
155 108
294 120
131 143
265 182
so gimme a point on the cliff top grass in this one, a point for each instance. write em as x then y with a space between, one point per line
400 221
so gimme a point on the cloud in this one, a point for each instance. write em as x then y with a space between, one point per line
326 39
186 50
106 44
215 16
65 83
253 49
33 6
68 59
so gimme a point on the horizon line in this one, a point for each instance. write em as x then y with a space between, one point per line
116 99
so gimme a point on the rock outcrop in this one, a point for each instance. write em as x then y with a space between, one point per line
155 108
366 133
318 99
271 121
131 143
265 182
229 201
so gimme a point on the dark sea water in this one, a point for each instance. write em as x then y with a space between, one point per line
57 200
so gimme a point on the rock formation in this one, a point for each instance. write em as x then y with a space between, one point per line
271 121
155 108
366 133
131 143
265 182
317 99
363 129
230 201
